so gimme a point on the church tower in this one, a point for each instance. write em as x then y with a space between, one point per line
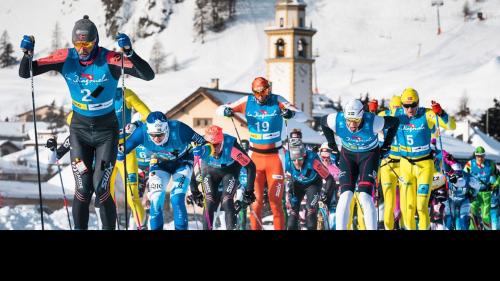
290 59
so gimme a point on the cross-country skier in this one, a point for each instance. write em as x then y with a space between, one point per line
388 169
169 141
359 158
306 174
91 73
264 112
221 161
416 163
486 173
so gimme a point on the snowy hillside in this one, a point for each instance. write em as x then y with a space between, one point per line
374 43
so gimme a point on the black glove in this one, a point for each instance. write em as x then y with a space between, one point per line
384 151
196 197
228 112
335 153
323 198
287 113
248 198
453 178
51 144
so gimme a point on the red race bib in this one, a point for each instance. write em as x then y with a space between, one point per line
321 169
240 157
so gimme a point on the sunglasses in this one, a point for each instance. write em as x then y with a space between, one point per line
411 105
260 91
157 135
84 44
354 120
299 159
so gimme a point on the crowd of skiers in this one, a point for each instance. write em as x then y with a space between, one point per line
390 173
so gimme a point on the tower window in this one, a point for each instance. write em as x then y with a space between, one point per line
280 48
282 22
301 22
302 48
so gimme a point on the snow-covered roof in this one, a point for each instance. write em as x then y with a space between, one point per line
491 145
20 129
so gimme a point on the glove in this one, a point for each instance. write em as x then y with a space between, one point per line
453 178
384 151
120 156
124 43
51 144
373 106
130 128
204 150
323 198
334 153
248 199
195 197
436 107
287 113
28 44
228 112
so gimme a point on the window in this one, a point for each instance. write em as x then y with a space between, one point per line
282 22
202 122
280 48
301 22
302 47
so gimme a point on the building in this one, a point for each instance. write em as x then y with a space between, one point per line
290 60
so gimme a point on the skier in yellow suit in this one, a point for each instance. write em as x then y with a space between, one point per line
416 164
132 101
388 167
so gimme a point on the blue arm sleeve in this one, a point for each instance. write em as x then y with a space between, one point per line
135 139
188 135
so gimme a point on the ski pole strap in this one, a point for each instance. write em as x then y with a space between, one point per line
391 160
414 161
266 151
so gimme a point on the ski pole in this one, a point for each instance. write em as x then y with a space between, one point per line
237 133
64 195
442 166
194 214
36 138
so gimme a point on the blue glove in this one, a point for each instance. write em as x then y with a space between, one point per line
294 201
198 151
120 156
124 42
228 112
28 44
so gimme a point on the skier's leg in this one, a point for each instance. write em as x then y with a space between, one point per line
260 181
181 179
347 181
293 219
407 195
105 158
229 182
134 201
312 193
211 181
389 182
157 185
82 156
425 173
276 189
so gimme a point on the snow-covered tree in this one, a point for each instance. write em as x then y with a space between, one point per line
212 15
6 50
158 57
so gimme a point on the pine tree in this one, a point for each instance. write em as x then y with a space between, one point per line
493 121
56 41
158 57
6 49
200 16
463 107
